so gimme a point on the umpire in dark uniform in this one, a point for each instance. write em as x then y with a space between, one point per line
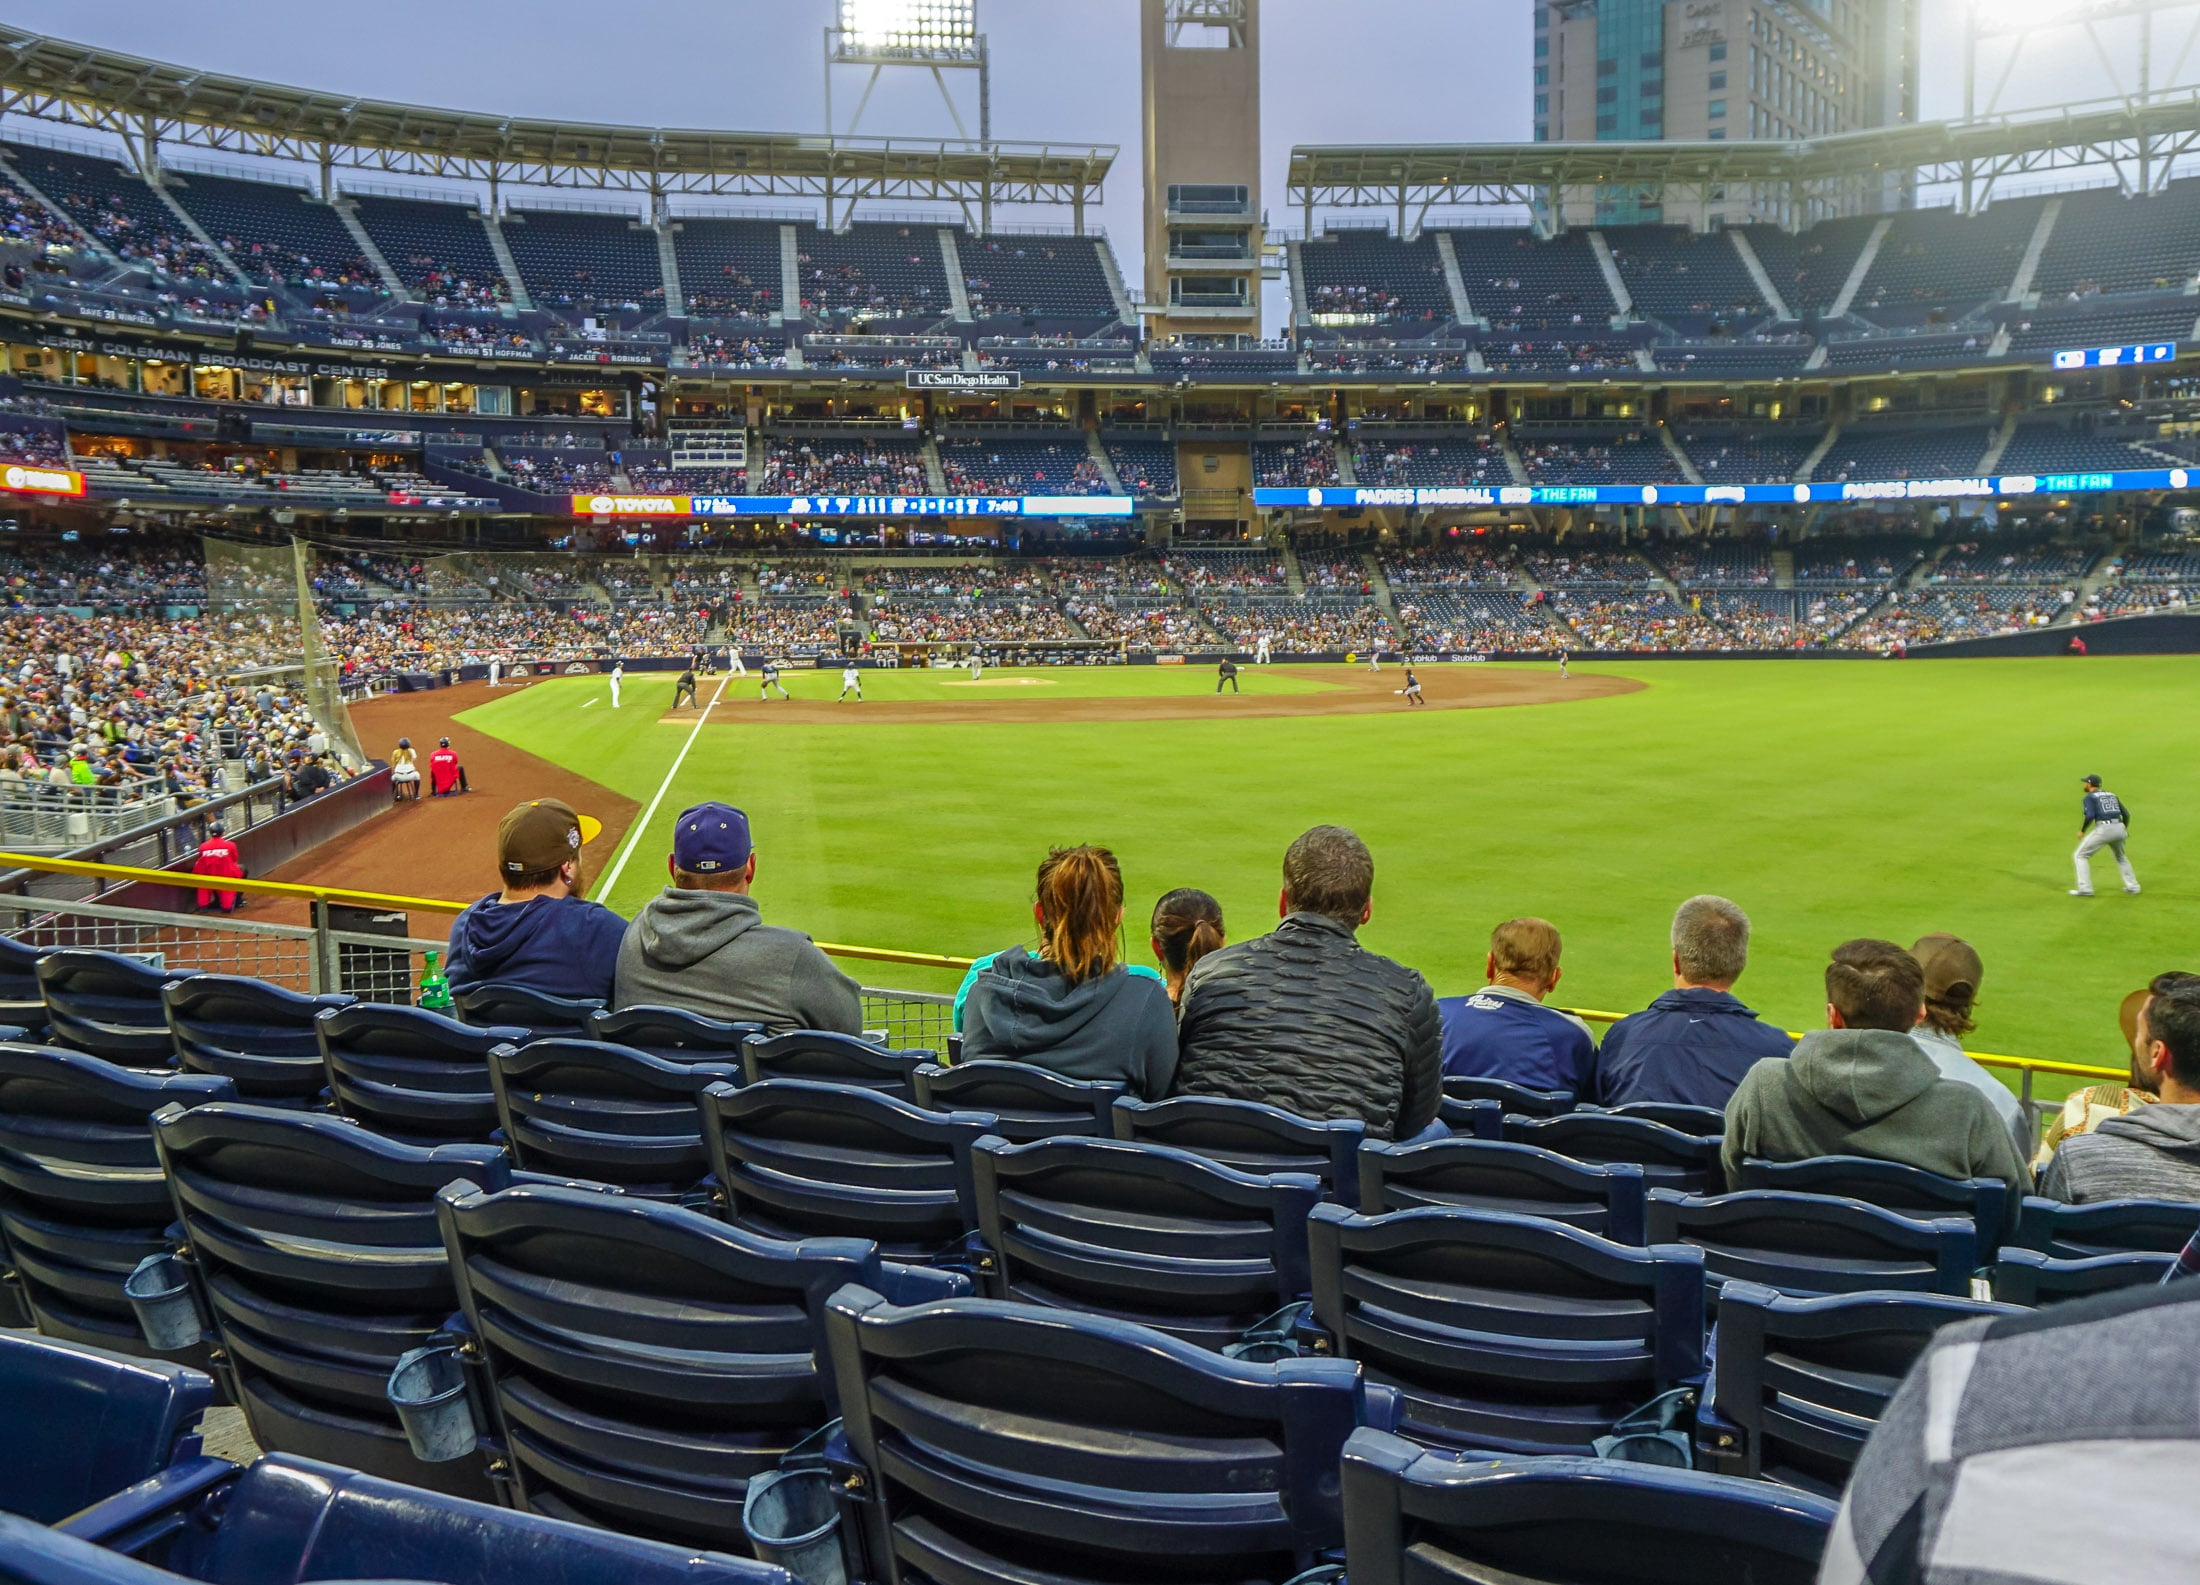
1226 673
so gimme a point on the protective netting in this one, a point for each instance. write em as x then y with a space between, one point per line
260 599
547 578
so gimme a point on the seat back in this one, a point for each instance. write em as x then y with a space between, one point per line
543 1016
82 1423
82 1199
318 1263
1669 1158
795 1158
1251 1137
832 1059
1504 1332
1808 1244
1702 1121
1001 1442
1516 1098
644 1362
20 1002
607 1114
672 1034
1413 1516
411 1074
2106 1227
106 1004
2025 1276
1894 1186
1142 1233
1497 1175
1027 1102
1799 1383
257 1034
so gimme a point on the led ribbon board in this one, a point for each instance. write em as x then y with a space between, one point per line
1993 487
853 506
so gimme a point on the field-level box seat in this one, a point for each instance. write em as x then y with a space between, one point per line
84 1423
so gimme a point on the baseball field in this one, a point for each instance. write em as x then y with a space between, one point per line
1831 799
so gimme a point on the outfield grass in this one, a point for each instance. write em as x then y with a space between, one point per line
1832 799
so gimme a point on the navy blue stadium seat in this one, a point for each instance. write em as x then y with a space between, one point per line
672 1034
1500 1332
1799 1383
1027 1102
1414 1517
284 1520
1894 1186
256 1034
318 1263
81 1196
20 1002
997 1442
1808 1244
1701 1121
1516 1098
2105 1227
1669 1158
411 1074
1251 1137
644 1362
1472 1119
581 1109
1141 1232
797 1158
108 1005
544 1017
2025 1276
83 1423
832 1059
1497 1175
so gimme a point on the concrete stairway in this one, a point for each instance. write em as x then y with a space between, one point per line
505 262
348 213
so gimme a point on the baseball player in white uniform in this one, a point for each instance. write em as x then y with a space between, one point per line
2105 823
618 676
734 663
1261 651
850 678
977 665
496 670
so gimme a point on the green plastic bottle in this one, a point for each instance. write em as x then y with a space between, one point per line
435 988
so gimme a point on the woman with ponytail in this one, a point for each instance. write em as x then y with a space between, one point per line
1187 925
1071 1006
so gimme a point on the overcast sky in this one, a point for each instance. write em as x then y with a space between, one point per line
1334 71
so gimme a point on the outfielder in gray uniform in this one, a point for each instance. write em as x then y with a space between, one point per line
2105 823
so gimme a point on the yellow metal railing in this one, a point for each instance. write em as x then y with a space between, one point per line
919 960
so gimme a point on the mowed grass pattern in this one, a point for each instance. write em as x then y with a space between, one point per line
1832 799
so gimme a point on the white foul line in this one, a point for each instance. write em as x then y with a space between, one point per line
634 832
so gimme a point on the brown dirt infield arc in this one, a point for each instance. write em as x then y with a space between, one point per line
445 847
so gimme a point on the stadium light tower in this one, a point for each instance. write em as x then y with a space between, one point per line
935 35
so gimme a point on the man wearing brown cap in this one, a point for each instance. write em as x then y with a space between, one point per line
539 930
1953 974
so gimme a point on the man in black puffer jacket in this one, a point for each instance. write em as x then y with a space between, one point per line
1305 1018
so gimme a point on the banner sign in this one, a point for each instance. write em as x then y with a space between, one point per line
965 380
854 506
2116 357
1849 490
22 477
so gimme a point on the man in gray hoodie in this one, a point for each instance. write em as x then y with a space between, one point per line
2154 1153
1862 1087
702 944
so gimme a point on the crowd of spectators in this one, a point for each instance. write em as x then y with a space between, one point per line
1145 624
1648 621
1311 626
804 467
985 619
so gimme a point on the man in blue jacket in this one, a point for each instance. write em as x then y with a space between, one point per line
1692 1045
539 930
1503 1031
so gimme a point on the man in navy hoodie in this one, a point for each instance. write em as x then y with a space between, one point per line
1503 1031
539 931
1692 1045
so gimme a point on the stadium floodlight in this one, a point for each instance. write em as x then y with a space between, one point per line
922 31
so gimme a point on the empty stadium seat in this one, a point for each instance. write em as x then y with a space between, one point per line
1497 1175
832 1059
1669 1158
258 1035
107 1004
1251 1137
1141 1232
1027 1102
316 1257
799 1158
411 1074
544 1017
1701 1121
1894 1186
1799 1383
284 1520
82 1200
604 1113
2025 1276
2105 1227
20 1002
1516 1098
83 1423
672 1034
1500 1332
643 1362
997 1442
1413 1517
1808 1244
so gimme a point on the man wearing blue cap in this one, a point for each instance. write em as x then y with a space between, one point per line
702 944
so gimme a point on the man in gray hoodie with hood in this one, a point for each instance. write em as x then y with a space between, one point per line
1862 1087
2154 1153
702 944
